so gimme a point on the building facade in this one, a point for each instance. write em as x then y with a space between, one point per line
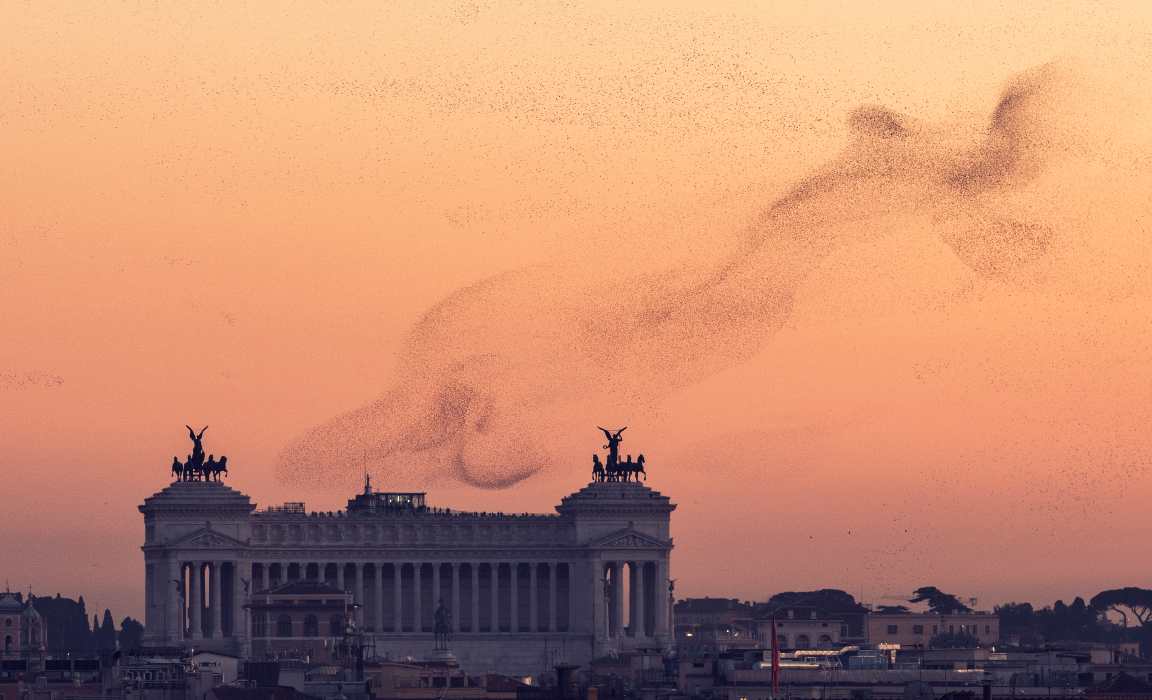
916 630
522 591
802 634
21 627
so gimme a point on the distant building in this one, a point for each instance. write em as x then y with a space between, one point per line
802 633
713 625
916 630
21 627
225 668
300 618
825 605
433 681
523 591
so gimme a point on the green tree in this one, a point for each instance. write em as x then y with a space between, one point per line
131 634
1131 604
65 624
1018 620
938 601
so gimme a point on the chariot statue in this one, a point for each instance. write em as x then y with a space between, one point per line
195 467
614 469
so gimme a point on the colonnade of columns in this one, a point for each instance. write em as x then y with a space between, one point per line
635 598
630 599
483 597
208 603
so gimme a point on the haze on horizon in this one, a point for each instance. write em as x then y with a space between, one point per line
242 217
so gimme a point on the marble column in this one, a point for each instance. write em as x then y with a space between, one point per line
379 597
217 601
340 578
417 598
456 612
514 608
573 595
494 579
533 598
598 629
475 598
152 571
618 597
553 623
359 595
436 587
196 599
639 613
397 602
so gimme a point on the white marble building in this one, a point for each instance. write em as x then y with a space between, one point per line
525 591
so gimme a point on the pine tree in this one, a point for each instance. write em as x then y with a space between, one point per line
107 634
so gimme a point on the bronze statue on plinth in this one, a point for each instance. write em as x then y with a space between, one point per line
442 626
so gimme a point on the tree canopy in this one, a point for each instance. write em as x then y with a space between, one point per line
131 634
829 600
1129 603
938 601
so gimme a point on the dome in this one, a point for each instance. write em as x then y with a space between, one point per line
31 612
10 603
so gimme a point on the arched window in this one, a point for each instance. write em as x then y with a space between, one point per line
311 626
284 626
825 641
7 642
802 641
260 625
336 626
782 641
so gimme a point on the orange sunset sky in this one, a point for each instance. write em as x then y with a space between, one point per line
871 349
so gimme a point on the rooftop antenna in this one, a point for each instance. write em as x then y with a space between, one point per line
367 483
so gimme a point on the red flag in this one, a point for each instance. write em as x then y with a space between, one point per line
775 661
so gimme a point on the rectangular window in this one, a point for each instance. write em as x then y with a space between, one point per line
917 629
892 629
